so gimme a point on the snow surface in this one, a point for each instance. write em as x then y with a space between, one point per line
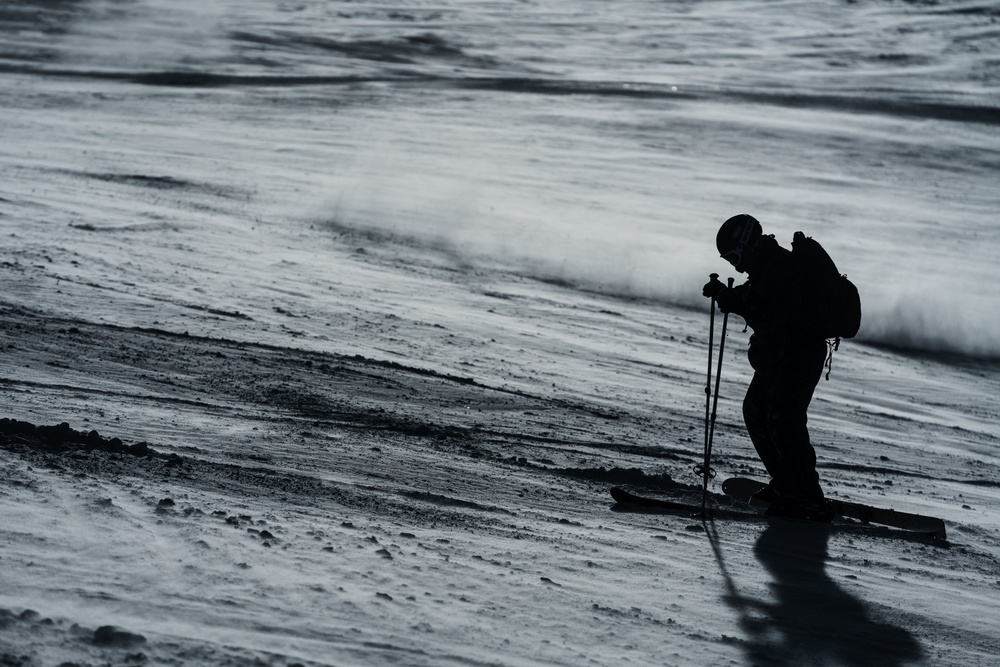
430 449
394 295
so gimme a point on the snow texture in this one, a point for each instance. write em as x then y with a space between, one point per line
327 327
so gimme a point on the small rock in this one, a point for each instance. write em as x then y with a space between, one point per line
140 449
115 637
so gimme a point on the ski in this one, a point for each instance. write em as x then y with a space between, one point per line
628 501
742 490
848 515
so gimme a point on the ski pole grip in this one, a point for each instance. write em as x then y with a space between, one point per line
731 281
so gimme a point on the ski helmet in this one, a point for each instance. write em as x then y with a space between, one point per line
735 235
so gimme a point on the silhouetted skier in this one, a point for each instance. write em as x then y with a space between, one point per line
787 355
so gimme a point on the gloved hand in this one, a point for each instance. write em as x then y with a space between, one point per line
712 288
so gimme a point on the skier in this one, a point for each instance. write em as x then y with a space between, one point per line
787 357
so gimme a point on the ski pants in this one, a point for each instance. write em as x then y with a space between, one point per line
774 410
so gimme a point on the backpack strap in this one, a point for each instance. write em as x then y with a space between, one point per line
831 347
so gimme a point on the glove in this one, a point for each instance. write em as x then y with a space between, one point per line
712 288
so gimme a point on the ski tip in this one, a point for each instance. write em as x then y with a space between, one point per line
619 494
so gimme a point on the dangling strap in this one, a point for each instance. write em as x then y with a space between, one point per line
831 346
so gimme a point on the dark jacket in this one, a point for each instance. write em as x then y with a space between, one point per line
772 302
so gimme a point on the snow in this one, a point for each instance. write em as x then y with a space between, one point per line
391 342
413 445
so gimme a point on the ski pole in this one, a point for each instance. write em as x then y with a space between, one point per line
715 402
708 398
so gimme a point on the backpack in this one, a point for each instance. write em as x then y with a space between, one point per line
832 305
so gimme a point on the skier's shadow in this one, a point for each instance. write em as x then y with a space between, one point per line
811 620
